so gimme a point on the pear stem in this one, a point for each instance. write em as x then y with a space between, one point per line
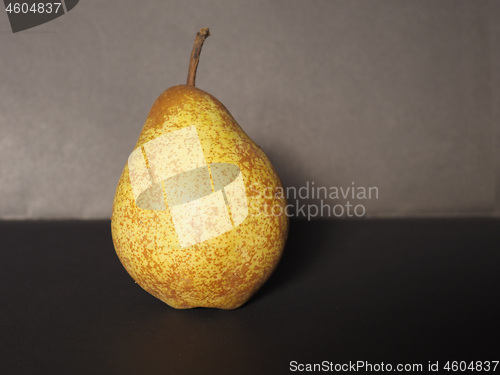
195 54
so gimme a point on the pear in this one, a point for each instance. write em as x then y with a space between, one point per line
199 215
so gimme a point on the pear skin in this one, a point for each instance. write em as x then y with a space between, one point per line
198 218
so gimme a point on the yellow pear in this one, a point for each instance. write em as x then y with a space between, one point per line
199 212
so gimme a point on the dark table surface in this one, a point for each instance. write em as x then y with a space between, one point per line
391 291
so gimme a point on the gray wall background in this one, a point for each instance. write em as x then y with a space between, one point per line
401 95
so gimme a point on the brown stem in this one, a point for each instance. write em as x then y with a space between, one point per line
195 54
